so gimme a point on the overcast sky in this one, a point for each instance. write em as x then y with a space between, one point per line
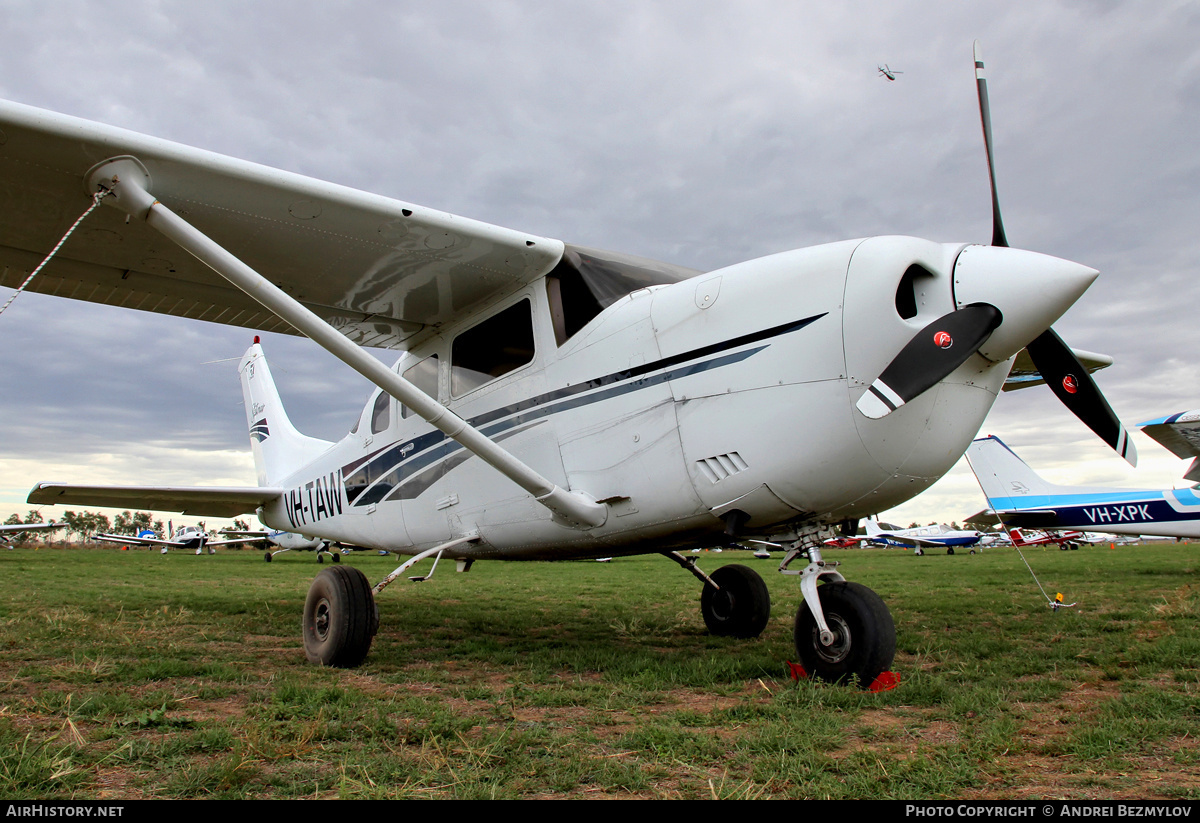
700 133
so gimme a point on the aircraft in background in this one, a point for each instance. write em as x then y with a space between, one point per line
842 542
923 537
889 73
14 532
553 401
1022 538
1021 498
185 537
289 542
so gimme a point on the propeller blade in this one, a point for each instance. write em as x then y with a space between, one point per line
1070 380
936 351
985 114
1058 365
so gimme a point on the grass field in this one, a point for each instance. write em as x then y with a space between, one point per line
135 675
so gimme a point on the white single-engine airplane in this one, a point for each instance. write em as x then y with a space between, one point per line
552 401
1019 497
288 542
185 537
924 537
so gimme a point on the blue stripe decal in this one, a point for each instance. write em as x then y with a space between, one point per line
379 476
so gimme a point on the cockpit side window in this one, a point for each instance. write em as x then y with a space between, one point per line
587 281
498 345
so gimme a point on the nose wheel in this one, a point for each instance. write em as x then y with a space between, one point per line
863 642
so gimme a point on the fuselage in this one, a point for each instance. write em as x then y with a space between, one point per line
730 394
1023 499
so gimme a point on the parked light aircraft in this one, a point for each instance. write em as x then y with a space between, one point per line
1022 538
185 537
553 401
13 533
1021 498
923 537
289 542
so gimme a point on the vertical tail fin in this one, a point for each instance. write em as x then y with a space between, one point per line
279 450
1002 475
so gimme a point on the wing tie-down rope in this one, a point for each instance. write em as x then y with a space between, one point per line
96 198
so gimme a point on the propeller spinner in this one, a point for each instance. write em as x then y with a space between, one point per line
984 328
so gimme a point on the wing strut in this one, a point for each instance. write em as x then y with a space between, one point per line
126 178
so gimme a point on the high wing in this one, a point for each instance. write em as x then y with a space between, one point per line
1180 434
379 270
1024 374
216 501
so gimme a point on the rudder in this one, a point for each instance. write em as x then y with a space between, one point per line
279 449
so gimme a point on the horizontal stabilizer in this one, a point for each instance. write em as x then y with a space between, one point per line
215 501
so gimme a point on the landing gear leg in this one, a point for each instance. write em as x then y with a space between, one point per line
864 637
734 602
843 630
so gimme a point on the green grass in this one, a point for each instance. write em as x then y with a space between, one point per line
132 674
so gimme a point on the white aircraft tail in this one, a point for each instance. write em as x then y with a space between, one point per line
872 526
279 449
1001 474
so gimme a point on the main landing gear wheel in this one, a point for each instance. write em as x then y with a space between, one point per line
340 618
864 637
741 608
267 557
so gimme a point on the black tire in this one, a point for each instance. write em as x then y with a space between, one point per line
335 557
340 618
267 557
949 550
864 642
320 557
741 608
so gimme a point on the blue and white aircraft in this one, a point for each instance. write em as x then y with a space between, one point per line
923 537
1020 498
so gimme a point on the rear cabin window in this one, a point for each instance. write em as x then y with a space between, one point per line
495 347
379 413
424 376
